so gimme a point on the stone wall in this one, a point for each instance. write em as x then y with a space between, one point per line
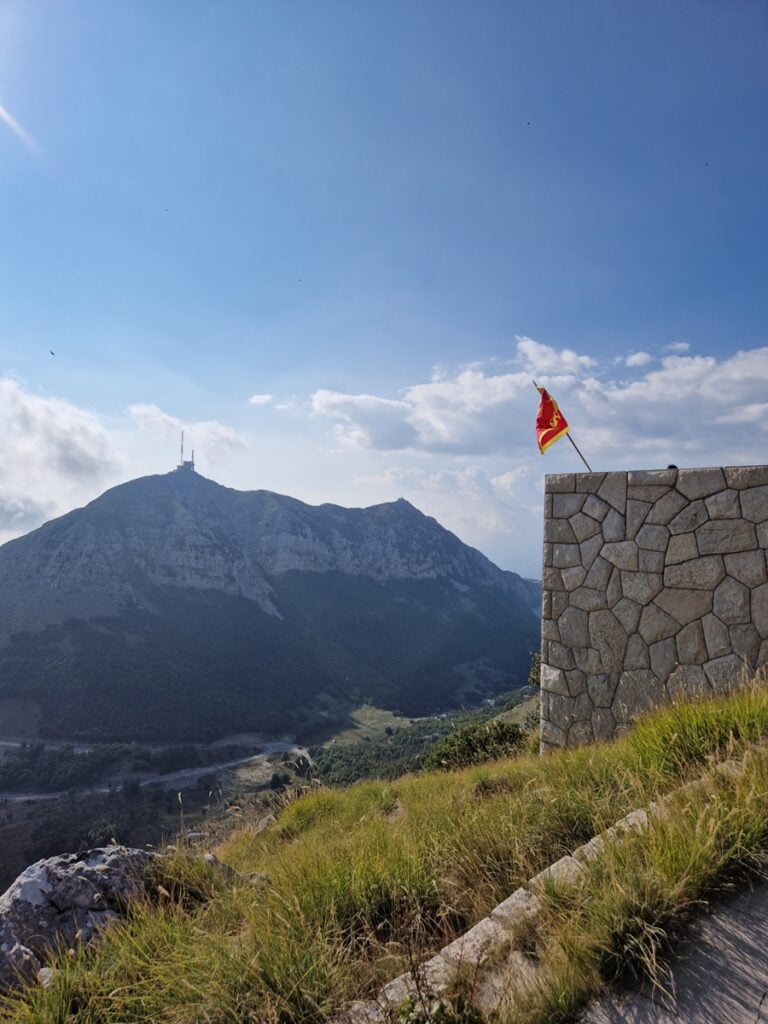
654 586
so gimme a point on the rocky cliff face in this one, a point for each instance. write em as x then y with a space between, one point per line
284 582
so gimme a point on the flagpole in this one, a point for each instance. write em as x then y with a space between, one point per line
568 435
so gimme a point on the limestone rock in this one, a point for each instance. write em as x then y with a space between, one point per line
685 605
588 599
556 483
691 647
663 657
666 508
762 535
760 609
637 654
636 515
745 641
638 691
654 538
565 555
651 493
558 655
699 483
691 517
573 576
596 507
682 548
746 476
580 733
622 554
584 526
558 531
599 575
566 505
608 637
628 614
731 604
725 674
641 587
614 526
559 602
651 561
614 491
601 688
603 724
590 549
551 735
723 505
688 681
66 899
747 567
588 660
574 627
716 636
754 504
577 682
613 590
589 483
549 630
699 574
551 578
720 536
656 625
652 477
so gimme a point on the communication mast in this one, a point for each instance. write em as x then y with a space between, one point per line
189 465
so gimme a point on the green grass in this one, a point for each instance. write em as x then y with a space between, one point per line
363 880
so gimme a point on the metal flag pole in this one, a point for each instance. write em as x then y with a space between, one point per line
568 435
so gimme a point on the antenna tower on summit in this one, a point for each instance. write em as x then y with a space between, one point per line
189 465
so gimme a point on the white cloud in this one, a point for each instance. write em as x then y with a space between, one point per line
540 358
260 399
677 346
215 439
638 359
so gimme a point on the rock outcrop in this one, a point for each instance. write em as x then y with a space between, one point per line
66 899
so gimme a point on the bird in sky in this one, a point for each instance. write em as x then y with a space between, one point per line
51 351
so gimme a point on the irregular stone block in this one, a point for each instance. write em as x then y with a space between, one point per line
688 681
666 508
546 555
565 872
720 536
747 567
601 689
574 627
731 604
746 476
650 493
556 483
716 636
699 483
762 657
588 660
723 505
754 504
549 630
474 947
691 647
762 535
745 641
613 590
725 674
698 574
589 483
656 625
691 518
590 549
614 491
759 605
573 577
663 658
588 599
565 555
682 548
603 726
685 605
637 655
551 578
546 604
614 526
608 637
577 683
559 604
551 735
636 514
628 614
596 507
652 477
654 538
623 554
566 505
641 587
599 574
651 561
558 655
579 734
517 909
638 691
596 846
584 526
559 531
561 711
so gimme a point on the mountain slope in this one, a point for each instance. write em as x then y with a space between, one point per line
171 607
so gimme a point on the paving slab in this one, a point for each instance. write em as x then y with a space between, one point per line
720 974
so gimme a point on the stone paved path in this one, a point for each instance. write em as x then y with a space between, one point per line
720 977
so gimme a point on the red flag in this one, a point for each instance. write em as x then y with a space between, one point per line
550 422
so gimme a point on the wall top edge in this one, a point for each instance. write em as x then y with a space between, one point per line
689 480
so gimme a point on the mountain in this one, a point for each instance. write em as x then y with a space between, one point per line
174 608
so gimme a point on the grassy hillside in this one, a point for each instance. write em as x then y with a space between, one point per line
362 881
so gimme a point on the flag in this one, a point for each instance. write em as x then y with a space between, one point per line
550 422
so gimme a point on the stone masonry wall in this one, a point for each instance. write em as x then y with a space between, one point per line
654 586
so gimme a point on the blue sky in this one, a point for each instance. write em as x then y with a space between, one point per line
385 216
